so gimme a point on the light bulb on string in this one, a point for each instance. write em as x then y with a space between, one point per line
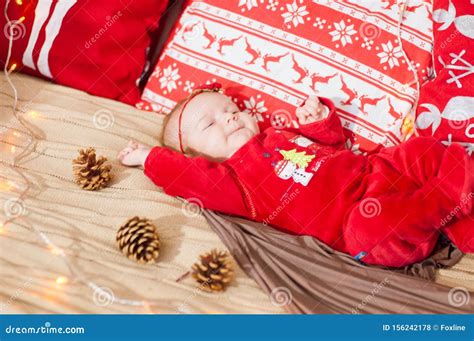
55 250
19 2
5 186
12 184
12 68
147 307
33 114
62 280
51 247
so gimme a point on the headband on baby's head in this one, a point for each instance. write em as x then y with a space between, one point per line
213 87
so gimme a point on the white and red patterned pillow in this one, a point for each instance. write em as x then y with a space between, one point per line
98 46
270 54
446 108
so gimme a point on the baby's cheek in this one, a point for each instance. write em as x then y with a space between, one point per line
215 140
250 122
242 138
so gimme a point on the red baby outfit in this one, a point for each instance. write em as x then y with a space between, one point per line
386 209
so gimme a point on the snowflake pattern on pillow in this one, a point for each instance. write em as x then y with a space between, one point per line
270 54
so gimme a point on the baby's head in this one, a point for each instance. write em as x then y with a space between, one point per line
211 126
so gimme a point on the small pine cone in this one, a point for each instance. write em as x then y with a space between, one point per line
90 172
214 271
139 240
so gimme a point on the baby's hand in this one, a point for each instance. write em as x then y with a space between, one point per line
312 110
134 154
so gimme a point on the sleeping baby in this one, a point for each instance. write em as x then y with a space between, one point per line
388 208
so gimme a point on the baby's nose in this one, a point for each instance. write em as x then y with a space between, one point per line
232 117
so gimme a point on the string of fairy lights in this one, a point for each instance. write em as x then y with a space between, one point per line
24 119
100 294
408 125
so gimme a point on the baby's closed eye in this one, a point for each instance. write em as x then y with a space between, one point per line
209 124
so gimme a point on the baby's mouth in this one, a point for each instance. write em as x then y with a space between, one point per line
237 129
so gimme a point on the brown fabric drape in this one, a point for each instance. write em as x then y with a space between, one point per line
307 276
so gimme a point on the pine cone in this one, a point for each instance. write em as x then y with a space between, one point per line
139 240
214 271
91 173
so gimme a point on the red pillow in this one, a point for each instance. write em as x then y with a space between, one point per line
98 46
271 54
446 108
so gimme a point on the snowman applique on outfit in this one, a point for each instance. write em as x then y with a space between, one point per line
293 166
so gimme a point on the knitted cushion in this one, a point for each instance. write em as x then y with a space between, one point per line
98 46
446 108
270 54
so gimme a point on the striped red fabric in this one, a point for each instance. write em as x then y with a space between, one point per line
269 55
98 46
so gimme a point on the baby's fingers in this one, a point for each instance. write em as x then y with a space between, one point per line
312 102
302 113
133 145
124 152
121 155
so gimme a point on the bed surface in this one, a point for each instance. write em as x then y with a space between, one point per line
84 224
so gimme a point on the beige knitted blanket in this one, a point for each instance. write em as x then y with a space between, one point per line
84 224
37 279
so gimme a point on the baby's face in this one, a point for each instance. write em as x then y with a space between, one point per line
213 126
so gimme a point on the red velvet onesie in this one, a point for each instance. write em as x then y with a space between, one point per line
384 209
